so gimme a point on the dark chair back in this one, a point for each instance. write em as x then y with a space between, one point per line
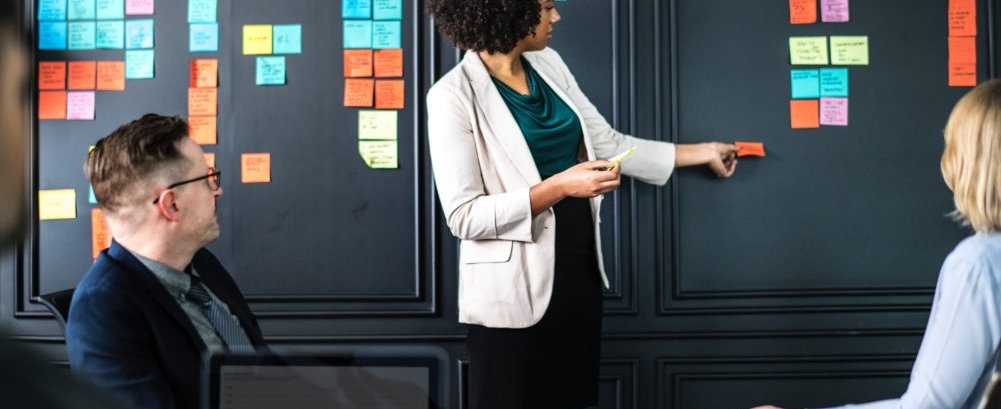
59 304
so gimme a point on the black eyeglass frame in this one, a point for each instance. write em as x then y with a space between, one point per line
214 184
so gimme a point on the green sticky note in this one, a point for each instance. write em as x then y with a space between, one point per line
850 50
139 34
202 11
110 9
834 82
139 64
82 35
203 37
111 34
808 50
287 39
358 34
387 9
379 125
356 9
51 10
386 34
81 10
270 70
805 83
52 35
379 154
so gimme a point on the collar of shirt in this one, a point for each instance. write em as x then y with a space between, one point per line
175 281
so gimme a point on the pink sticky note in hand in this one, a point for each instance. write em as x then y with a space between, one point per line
834 111
80 106
834 11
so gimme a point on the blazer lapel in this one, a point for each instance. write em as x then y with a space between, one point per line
558 89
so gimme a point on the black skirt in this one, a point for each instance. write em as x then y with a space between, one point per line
554 363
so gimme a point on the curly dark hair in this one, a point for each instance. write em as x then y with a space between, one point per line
485 25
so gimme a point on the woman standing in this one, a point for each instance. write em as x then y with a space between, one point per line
513 143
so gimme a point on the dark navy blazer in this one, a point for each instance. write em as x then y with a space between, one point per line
126 334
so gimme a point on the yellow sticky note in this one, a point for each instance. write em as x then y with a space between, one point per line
257 39
379 154
808 50
56 204
850 50
380 125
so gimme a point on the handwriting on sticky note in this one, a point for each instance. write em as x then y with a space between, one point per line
110 35
139 34
82 35
82 75
138 7
750 149
111 75
358 34
81 10
52 35
202 11
804 113
378 125
210 159
205 73
287 39
389 94
270 71
202 129
139 64
834 82
51 10
358 92
386 34
358 63
356 9
805 83
51 75
388 62
834 11
255 167
80 106
56 204
257 39
962 18
802 11
203 37
850 50
110 9
100 233
387 9
834 111
962 74
808 50
963 49
52 105
379 154
202 101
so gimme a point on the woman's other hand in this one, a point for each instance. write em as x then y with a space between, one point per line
720 157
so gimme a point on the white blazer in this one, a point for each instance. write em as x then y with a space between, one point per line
483 170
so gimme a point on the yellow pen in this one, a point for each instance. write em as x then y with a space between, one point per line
618 158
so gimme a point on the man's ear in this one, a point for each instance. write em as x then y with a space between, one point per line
166 206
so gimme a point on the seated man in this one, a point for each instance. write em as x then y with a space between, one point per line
155 302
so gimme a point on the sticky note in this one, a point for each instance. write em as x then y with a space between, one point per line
110 35
286 38
808 50
358 63
82 35
81 10
255 168
385 34
52 105
139 34
111 75
205 73
962 18
56 204
139 7
210 159
377 125
110 9
389 94
850 50
139 64
257 39
80 106
805 83
270 71
379 154
356 8
51 10
90 195
202 11
203 37
82 75
358 92
804 113
750 149
834 11
963 49
100 233
388 62
834 111
802 11
51 75
834 82
387 9
52 35
202 102
202 129
358 34
962 74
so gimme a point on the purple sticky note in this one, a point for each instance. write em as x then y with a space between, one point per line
834 11
139 7
80 106
834 111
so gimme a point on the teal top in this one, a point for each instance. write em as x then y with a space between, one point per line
550 127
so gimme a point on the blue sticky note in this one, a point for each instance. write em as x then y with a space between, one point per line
358 34
356 9
138 34
270 70
834 82
82 35
386 34
202 11
111 34
286 39
81 10
91 198
52 35
805 83
387 9
51 10
203 37
110 9
139 64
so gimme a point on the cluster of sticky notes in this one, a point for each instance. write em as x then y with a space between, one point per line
844 50
255 168
66 90
264 40
203 94
805 11
962 43
203 30
828 84
94 24
377 141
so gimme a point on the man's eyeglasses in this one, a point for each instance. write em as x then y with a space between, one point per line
213 179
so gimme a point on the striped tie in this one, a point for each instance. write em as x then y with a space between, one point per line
226 325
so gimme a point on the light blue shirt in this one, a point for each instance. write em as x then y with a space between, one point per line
958 353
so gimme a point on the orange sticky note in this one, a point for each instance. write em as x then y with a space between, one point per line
962 49
100 233
802 11
750 148
205 73
389 62
210 159
358 92
52 105
202 129
111 75
962 74
255 167
82 75
804 113
202 101
962 18
358 63
389 94
51 75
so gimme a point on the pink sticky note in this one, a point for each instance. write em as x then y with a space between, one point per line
834 11
139 7
834 111
80 106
